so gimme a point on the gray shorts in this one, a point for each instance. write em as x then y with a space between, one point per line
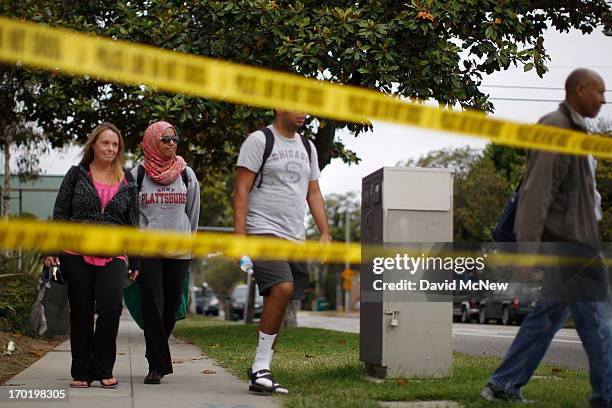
270 273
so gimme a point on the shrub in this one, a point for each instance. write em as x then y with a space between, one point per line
17 294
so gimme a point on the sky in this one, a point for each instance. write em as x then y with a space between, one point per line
389 144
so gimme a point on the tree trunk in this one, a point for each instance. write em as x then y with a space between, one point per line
6 189
339 305
324 142
192 301
290 318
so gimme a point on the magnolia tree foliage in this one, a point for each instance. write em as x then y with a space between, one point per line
419 49
20 142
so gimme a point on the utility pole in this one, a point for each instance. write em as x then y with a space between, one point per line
6 197
347 265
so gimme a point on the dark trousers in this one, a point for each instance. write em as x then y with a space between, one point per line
161 285
93 289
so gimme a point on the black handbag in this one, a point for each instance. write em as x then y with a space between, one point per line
49 313
52 274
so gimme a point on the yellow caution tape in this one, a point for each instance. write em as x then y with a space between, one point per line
53 237
50 237
120 61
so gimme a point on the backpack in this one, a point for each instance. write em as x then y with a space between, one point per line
268 150
504 231
141 173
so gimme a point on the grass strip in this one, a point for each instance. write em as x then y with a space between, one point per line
321 368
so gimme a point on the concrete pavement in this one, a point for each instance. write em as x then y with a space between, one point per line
188 387
347 323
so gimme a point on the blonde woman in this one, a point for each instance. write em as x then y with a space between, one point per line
96 191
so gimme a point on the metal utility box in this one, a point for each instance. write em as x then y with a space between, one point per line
405 338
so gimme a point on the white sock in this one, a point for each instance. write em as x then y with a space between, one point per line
263 357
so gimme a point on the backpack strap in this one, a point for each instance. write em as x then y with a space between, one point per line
140 176
128 176
141 173
127 179
185 177
307 146
267 151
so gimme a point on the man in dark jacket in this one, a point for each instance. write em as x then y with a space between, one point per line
558 203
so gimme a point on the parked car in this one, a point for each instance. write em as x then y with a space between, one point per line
206 302
466 303
466 306
238 299
511 305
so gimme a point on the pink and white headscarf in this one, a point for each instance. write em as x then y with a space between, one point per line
160 170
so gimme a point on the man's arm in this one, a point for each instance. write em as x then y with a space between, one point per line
316 204
240 202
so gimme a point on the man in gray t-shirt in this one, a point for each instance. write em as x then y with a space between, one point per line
272 201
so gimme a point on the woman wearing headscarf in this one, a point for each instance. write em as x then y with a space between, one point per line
97 191
169 200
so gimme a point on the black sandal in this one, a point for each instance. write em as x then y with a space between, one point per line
266 375
111 385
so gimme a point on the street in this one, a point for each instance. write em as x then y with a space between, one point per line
565 351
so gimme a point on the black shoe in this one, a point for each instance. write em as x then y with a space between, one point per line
153 378
262 381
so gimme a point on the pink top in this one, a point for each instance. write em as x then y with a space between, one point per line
106 193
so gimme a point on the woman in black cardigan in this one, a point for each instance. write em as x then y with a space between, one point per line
97 191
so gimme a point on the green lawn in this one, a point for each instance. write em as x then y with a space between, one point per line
321 368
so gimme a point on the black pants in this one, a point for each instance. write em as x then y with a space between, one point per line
161 285
93 289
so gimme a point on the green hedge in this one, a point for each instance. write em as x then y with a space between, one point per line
17 294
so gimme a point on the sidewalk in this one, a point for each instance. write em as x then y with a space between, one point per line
353 314
188 387
346 322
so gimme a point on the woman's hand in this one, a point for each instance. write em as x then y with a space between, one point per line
51 261
132 274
